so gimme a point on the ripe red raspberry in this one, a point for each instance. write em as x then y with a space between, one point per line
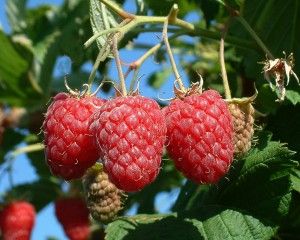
200 135
73 214
69 147
130 132
17 220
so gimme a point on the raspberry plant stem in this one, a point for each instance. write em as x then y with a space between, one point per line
236 13
27 149
254 36
172 15
99 34
105 32
103 53
133 21
119 65
222 61
117 9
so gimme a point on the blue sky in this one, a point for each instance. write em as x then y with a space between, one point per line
46 223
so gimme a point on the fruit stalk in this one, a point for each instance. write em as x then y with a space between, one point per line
131 22
103 53
222 61
255 36
172 16
117 9
28 149
119 65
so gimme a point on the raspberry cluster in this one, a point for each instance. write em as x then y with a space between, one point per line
128 134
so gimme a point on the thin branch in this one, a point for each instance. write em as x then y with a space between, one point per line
222 61
255 36
99 34
137 63
133 22
103 53
27 149
169 51
113 6
119 65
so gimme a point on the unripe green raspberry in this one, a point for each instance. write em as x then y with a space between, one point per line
104 199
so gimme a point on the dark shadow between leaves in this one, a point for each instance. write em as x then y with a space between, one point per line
167 228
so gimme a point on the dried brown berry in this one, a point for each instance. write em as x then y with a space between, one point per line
14 116
104 199
242 113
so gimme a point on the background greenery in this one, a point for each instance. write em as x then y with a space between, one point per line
258 199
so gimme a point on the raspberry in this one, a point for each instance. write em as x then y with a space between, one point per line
73 214
69 147
17 220
130 132
243 121
103 197
200 136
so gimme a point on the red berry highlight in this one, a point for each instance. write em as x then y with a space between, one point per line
130 132
200 136
73 215
17 220
69 147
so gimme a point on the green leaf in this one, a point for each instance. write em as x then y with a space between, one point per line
285 126
210 10
11 138
286 33
275 23
266 99
37 160
61 39
152 227
293 96
41 48
231 224
12 66
17 83
39 21
218 224
296 180
101 19
40 193
15 10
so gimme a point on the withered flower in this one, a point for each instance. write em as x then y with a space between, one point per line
280 69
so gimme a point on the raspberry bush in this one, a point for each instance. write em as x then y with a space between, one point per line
175 120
